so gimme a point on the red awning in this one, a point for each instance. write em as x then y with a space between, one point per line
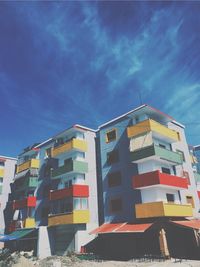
121 228
195 224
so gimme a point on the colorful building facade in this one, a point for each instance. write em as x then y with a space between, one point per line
131 180
145 168
55 191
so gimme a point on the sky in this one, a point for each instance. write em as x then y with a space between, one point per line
66 63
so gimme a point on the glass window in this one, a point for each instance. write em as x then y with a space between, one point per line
48 152
2 163
112 157
111 136
114 179
116 205
77 204
84 203
170 197
166 170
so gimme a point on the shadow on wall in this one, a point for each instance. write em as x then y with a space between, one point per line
129 196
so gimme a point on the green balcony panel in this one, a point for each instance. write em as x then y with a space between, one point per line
1 188
71 166
156 151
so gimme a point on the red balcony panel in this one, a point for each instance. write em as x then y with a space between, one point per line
198 192
158 178
72 191
26 202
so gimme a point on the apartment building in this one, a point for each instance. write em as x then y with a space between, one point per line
54 194
147 182
7 170
146 178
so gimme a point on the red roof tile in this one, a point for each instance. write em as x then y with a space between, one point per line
195 224
121 228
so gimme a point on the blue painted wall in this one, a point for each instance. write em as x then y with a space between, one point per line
124 191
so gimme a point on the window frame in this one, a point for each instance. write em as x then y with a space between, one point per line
113 139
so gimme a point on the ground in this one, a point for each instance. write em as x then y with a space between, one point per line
65 261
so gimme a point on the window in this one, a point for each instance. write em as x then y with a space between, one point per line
182 154
112 157
170 197
163 146
77 204
190 200
2 163
166 170
48 152
111 136
116 205
31 212
114 179
84 203
1 180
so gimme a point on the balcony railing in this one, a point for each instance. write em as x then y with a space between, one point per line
29 182
72 191
32 163
158 130
158 153
75 217
161 209
77 144
159 178
26 202
71 166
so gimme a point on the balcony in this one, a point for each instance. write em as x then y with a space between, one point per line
72 191
71 166
29 223
1 172
157 178
32 163
156 153
26 202
75 217
161 209
159 131
74 144
29 182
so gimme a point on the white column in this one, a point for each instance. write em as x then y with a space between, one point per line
43 244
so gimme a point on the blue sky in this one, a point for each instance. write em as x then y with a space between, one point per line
63 63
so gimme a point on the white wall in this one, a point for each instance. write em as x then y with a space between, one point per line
154 194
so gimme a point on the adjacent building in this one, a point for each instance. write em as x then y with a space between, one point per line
7 171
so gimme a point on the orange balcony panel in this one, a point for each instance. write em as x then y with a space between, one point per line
159 178
72 191
26 202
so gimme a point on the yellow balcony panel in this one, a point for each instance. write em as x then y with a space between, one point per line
77 144
157 129
29 223
1 172
76 217
33 163
161 209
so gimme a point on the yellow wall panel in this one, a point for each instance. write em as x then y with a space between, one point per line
1 172
29 223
